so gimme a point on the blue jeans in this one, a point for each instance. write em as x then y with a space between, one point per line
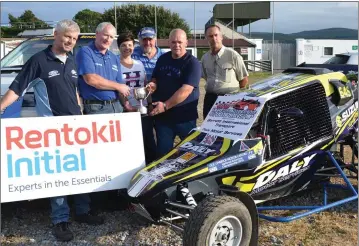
114 107
60 211
167 131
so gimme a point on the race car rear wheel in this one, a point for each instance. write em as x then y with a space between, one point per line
218 220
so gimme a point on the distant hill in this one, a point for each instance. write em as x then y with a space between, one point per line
329 33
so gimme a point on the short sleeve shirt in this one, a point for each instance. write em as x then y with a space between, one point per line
170 75
54 83
91 61
223 71
134 77
149 64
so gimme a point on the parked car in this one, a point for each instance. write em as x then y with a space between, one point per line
346 63
13 62
345 58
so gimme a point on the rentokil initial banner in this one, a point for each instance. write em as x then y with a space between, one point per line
54 156
232 116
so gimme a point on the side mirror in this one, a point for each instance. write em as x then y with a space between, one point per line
292 112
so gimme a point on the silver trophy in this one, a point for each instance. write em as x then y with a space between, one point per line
140 94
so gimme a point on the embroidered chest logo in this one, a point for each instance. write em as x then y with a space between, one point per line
98 64
53 73
73 73
114 67
171 71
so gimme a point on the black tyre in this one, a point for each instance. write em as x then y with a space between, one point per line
218 220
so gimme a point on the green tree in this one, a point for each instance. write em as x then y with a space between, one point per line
27 20
9 32
132 17
88 20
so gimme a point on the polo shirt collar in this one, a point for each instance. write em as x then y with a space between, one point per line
220 53
97 52
51 56
143 54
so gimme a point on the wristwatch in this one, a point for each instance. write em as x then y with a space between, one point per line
165 106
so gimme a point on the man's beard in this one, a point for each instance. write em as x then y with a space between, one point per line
147 50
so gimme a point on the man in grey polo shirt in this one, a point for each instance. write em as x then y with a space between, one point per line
222 68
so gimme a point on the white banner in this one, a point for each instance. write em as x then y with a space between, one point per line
54 156
233 116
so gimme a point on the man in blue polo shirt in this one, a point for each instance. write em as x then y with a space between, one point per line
100 77
148 53
52 74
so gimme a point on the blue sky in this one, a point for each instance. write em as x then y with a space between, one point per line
289 16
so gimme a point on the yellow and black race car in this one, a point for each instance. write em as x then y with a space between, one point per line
216 178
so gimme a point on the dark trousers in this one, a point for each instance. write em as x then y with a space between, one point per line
209 100
149 142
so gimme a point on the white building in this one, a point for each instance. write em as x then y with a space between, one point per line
7 46
317 51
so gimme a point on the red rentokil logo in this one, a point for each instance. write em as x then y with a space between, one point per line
52 161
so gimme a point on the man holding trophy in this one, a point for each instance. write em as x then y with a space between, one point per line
175 82
100 78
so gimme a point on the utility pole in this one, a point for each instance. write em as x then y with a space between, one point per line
194 33
115 17
233 25
156 19
272 37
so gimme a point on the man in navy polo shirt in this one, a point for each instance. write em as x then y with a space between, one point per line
100 77
175 81
52 74
148 53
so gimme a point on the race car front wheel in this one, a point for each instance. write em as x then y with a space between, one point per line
218 220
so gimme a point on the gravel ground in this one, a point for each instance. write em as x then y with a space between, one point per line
28 223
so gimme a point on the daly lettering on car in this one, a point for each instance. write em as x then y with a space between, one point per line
204 150
299 165
52 161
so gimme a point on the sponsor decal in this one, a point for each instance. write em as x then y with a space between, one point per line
53 161
198 149
186 157
231 161
347 113
208 140
243 147
272 177
48 157
232 116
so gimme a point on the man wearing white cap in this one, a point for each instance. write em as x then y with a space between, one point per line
148 53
